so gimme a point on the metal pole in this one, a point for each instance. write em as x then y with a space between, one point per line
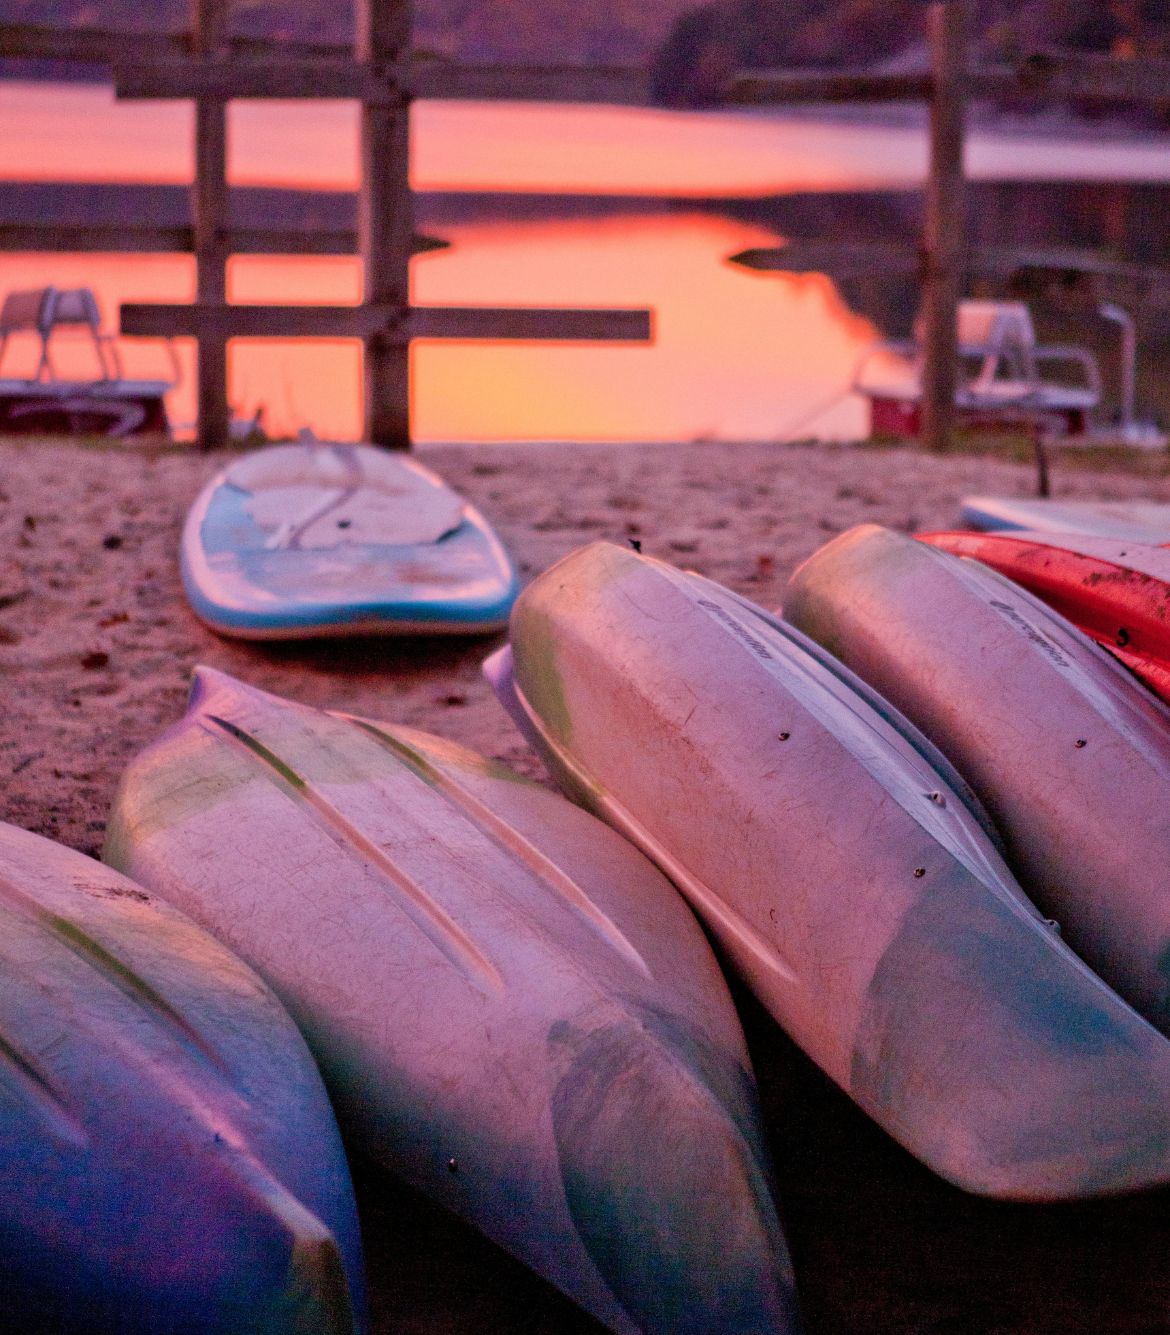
385 221
944 244
210 216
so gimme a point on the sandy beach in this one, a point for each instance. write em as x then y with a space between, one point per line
97 645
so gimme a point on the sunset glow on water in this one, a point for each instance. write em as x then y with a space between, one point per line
735 355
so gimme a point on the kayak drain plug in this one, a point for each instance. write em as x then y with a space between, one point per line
919 872
1081 743
784 736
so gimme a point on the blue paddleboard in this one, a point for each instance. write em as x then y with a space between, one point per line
308 540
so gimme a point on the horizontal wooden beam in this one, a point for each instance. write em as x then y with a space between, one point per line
1053 74
135 239
531 323
456 322
282 78
767 87
87 46
276 77
620 85
98 46
1077 74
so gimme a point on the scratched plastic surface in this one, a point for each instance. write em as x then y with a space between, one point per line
512 1008
301 541
1069 752
846 878
1117 591
169 1163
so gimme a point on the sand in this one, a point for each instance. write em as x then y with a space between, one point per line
96 649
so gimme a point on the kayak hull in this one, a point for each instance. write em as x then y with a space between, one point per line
853 887
169 1162
1115 590
1053 734
311 541
512 1008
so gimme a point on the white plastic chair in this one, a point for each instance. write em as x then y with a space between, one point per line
46 309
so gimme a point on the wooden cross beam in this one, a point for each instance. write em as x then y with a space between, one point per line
383 76
286 78
1047 73
386 321
69 235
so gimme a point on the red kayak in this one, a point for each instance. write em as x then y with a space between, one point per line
1116 591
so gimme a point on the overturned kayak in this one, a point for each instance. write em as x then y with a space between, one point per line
1069 754
511 1006
1115 590
303 541
1136 521
844 873
169 1163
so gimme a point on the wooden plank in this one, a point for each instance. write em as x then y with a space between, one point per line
99 46
203 321
617 85
281 77
92 46
813 86
276 77
31 238
209 212
944 237
147 239
384 321
530 323
382 31
1043 73
1086 76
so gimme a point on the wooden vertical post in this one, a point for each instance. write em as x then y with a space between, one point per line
385 221
210 217
944 246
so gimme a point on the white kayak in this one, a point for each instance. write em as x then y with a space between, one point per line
512 1008
309 540
1070 755
169 1163
1136 521
845 874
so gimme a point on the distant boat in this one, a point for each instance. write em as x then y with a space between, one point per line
46 405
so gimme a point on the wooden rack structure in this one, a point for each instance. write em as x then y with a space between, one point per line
944 258
210 69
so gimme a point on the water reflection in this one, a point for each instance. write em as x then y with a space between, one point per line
735 355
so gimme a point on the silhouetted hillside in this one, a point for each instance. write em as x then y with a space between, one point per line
710 40
601 32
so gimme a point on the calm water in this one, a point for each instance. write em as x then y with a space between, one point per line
736 355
